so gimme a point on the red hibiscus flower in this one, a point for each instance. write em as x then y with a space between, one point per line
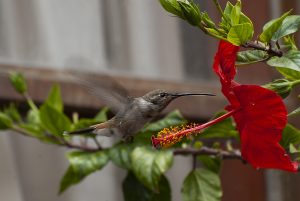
259 113
261 118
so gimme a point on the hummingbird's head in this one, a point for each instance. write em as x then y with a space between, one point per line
162 98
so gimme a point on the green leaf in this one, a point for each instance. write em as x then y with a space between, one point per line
83 123
211 163
250 56
271 27
18 82
290 60
102 115
81 165
282 87
223 129
289 74
226 21
5 121
54 98
148 165
289 43
120 155
295 112
54 121
12 112
133 190
37 132
174 118
240 33
202 185
235 14
293 149
245 19
289 25
290 135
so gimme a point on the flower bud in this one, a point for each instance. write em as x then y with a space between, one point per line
184 9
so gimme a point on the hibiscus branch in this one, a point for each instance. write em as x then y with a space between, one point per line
59 141
209 151
269 49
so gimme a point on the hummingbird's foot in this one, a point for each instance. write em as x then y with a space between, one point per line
128 139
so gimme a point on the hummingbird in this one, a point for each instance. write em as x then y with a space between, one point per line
131 114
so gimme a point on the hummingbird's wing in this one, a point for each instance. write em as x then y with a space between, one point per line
111 93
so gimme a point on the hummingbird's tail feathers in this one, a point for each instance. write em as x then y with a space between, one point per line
92 129
100 126
80 131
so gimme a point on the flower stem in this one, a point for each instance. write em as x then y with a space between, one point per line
30 102
296 82
219 8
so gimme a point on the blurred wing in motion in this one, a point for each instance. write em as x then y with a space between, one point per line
107 90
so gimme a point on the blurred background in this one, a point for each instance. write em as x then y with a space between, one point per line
144 48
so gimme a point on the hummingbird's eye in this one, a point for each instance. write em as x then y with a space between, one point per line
162 95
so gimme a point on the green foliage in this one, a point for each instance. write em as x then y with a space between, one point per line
289 43
282 87
83 123
290 135
54 121
202 185
133 190
216 33
120 155
289 74
237 25
211 163
148 165
190 12
293 149
207 20
81 165
240 33
187 10
174 118
250 56
12 112
5 121
289 26
18 82
272 27
290 60
101 116
172 6
223 129
54 98
34 130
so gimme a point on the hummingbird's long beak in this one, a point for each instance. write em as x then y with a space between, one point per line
191 94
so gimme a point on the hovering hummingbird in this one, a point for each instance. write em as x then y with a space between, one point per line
131 114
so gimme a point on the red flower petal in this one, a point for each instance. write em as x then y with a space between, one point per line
224 64
260 122
261 118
